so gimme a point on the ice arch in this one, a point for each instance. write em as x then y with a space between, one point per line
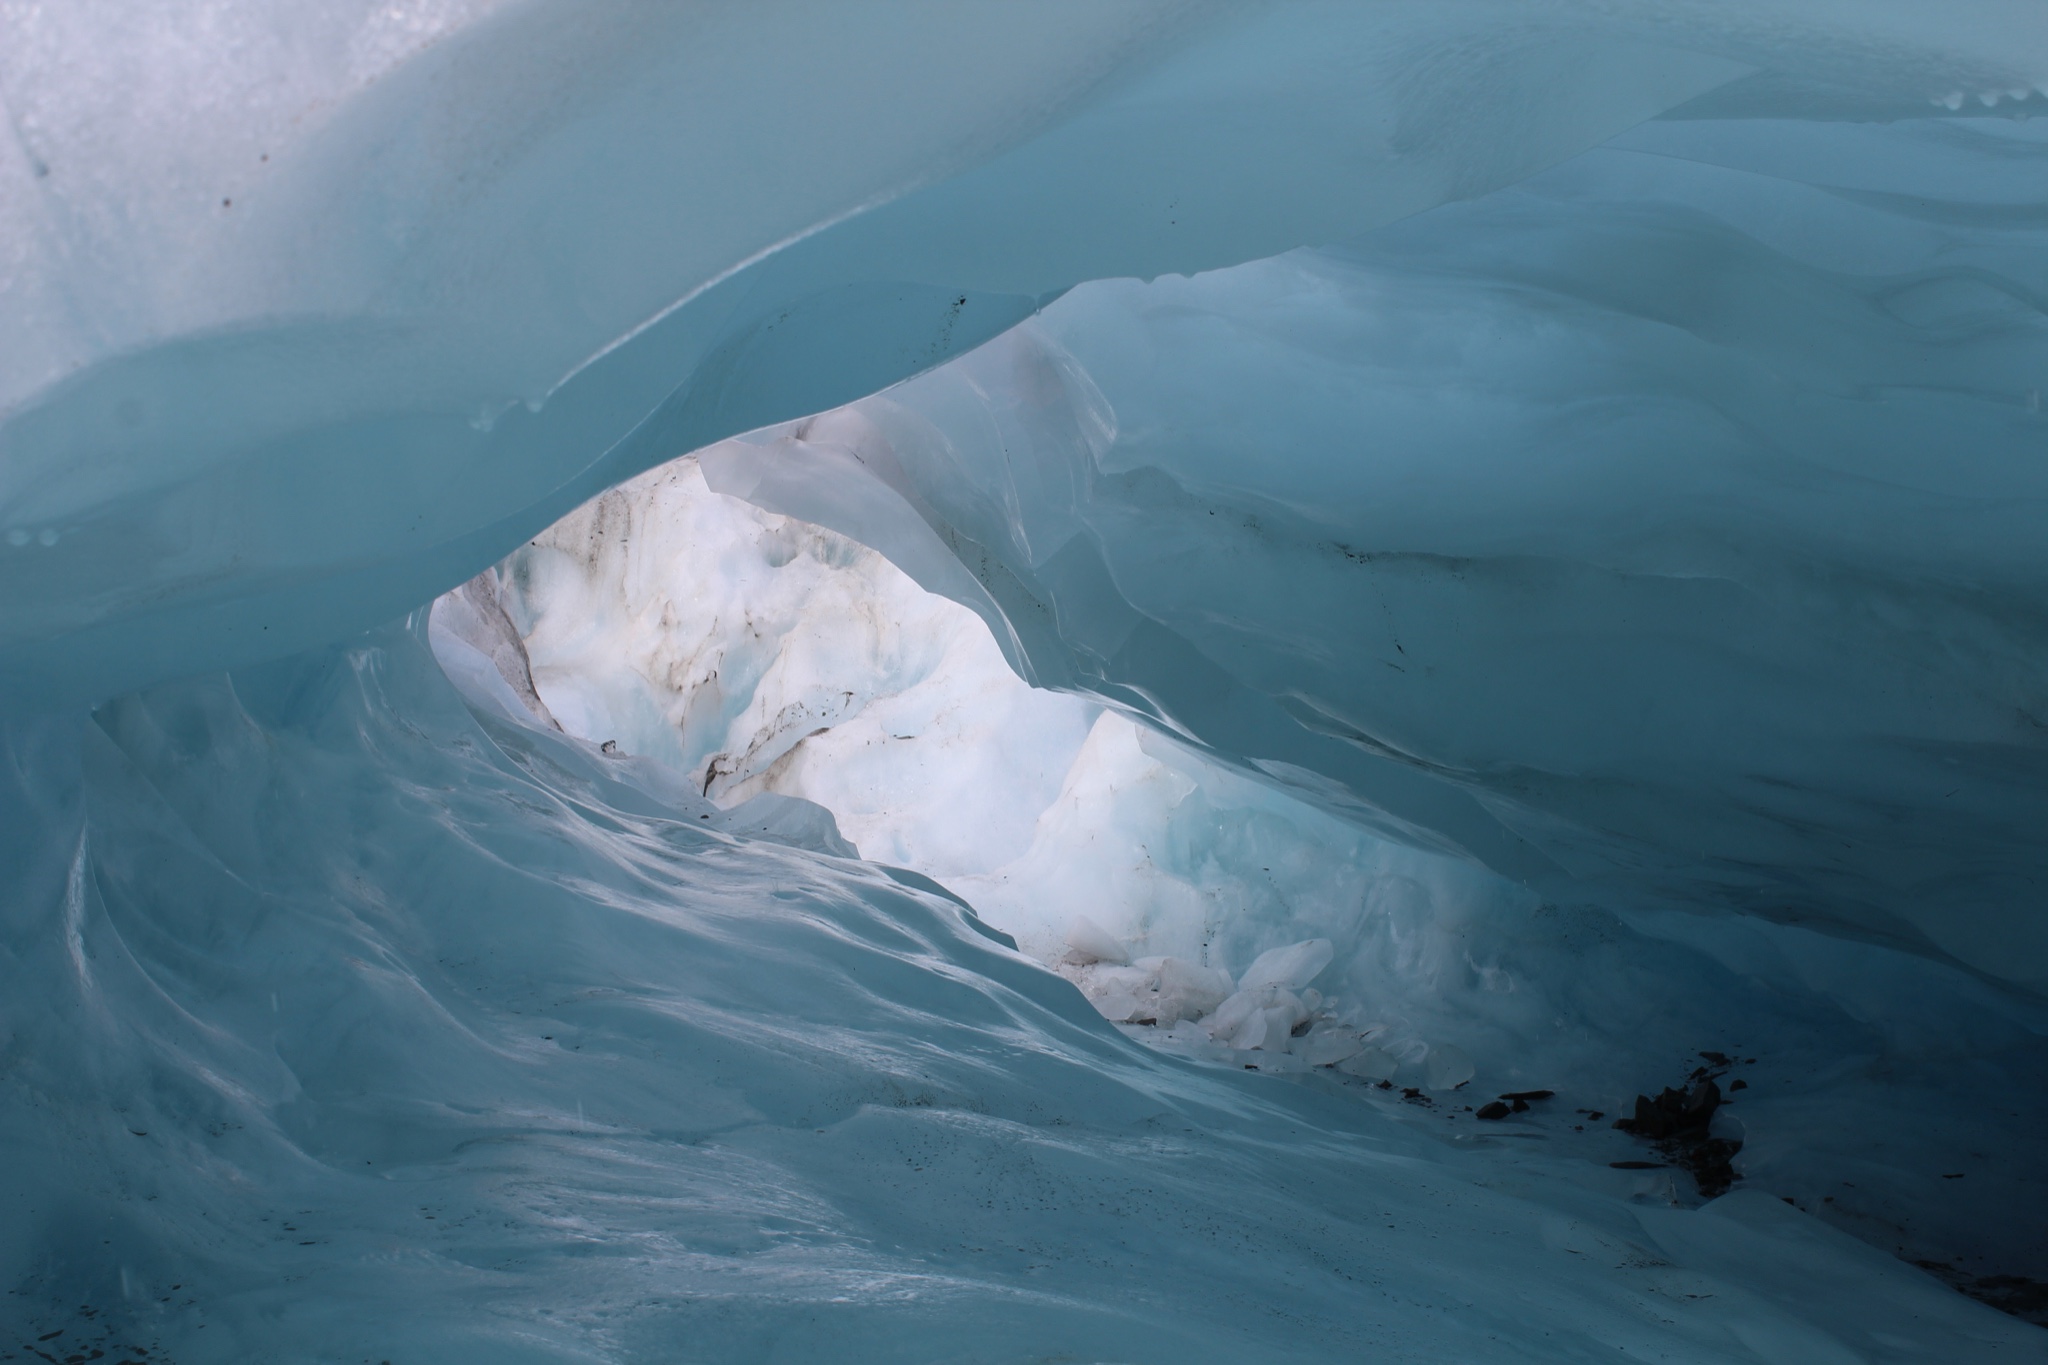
443 271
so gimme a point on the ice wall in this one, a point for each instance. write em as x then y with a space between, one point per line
1662 532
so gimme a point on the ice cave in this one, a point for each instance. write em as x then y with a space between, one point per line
991 682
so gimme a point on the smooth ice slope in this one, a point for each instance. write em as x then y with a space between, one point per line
346 1024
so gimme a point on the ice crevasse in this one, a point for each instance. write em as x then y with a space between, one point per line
959 682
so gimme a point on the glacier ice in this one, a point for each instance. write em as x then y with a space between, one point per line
1154 867
1290 968
366 1024
1248 579
311 310
771 656
1662 596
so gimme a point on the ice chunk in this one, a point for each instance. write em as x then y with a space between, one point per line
1088 941
1290 968
1232 1015
1102 978
1329 1046
1446 1068
1371 1063
1121 994
1282 1020
1188 990
1256 1032
1264 1018
1120 1006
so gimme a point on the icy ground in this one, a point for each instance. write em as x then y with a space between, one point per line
527 1056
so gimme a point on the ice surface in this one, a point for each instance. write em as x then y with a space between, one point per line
1599 598
760 654
1089 942
1154 864
514 1059
1289 968
1661 532
753 653
312 311
1447 1067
